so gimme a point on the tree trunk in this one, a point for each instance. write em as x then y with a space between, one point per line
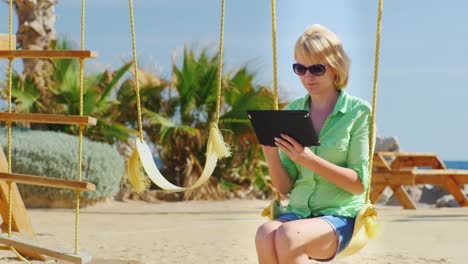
36 31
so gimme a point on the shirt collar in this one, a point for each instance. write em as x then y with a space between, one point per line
341 103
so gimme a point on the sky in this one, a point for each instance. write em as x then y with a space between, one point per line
423 76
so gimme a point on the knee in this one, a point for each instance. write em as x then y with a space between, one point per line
284 237
265 234
262 234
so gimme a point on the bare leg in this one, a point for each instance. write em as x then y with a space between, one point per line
295 241
265 242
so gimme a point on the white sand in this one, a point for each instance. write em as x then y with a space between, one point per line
223 232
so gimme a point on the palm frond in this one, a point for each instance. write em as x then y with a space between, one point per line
118 74
166 123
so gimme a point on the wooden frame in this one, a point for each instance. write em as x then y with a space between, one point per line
48 119
48 54
30 245
4 42
47 181
20 221
26 245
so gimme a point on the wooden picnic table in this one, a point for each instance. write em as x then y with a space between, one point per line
398 169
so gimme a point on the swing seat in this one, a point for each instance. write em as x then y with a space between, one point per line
365 228
216 149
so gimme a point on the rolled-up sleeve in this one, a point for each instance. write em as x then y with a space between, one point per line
358 153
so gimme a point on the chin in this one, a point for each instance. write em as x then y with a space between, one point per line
314 90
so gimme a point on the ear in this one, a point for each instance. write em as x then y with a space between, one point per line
336 81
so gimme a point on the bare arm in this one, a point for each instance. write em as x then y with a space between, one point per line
279 176
344 178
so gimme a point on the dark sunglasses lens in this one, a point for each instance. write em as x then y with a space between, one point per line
299 69
317 69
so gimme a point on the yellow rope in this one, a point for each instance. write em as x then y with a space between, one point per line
215 145
135 69
80 133
366 226
220 67
77 219
135 66
273 35
275 206
10 71
82 37
10 25
19 255
374 97
275 71
78 192
10 201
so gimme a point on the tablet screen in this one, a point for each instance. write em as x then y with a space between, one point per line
297 124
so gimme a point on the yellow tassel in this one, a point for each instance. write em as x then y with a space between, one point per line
273 210
216 141
373 227
276 208
136 177
267 212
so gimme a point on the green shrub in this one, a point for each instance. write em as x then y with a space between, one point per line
54 154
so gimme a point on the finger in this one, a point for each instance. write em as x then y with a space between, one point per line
284 148
292 141
285 143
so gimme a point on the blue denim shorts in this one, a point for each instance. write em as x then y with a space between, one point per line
343 227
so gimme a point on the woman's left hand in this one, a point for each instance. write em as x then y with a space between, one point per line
295 151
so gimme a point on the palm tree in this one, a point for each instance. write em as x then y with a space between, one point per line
36 31
152 97
97 102
247 163
64 87
183 124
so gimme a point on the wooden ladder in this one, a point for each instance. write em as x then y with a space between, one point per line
24 238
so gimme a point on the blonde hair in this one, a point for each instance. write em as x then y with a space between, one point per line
319 44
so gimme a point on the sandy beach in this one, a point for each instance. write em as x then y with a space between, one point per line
223 232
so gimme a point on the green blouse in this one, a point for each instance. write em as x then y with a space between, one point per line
344 141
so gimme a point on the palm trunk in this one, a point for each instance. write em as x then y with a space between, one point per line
36 31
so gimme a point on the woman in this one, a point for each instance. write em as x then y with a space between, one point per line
327 183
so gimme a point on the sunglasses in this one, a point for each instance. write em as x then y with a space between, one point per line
315 69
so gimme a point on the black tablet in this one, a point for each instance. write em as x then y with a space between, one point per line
269 124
